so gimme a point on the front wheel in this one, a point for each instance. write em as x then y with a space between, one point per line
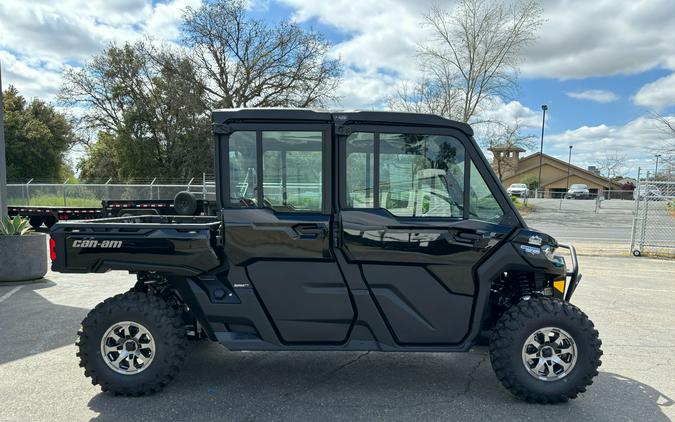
132 344
545 350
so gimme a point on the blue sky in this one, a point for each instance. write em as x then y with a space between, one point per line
602 67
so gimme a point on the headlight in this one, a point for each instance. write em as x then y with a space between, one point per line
549 251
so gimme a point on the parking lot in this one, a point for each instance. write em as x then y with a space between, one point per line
631 301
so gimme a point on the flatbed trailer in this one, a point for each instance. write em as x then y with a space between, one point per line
50 215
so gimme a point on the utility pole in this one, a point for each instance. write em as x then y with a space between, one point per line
3 165
544 107
656 167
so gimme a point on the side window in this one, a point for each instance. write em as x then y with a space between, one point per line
243 175
484 206
421 175
292 170
360 171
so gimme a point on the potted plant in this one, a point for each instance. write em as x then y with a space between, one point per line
23 253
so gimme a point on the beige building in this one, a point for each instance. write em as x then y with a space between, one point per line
511 168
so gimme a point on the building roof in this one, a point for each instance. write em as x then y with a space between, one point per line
576 170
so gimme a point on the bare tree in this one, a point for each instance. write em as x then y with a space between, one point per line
244 62
500 136
476 49
666 150
612 164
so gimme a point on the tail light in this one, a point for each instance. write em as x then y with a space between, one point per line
52 249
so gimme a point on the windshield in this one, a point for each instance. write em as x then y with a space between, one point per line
578 187
519 185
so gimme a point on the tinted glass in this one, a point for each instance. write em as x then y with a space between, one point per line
421 175
292 170
360 171
243 176
484 206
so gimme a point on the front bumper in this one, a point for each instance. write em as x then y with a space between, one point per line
573 273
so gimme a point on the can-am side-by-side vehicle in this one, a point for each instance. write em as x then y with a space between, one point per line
336 231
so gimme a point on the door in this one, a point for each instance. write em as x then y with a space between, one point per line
416 217
277 226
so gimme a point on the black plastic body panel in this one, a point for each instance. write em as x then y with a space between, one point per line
181 245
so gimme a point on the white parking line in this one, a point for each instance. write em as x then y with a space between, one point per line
9 293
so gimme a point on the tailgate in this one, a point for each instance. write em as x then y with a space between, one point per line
135 244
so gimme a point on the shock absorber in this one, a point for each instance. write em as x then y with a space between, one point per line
523 285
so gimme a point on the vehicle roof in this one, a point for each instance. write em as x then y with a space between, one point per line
229 116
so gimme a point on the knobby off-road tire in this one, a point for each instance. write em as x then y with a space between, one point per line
515 328
165 329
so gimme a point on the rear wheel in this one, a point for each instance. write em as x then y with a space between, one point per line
132 344
545 350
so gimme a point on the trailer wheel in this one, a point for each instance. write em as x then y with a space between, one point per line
50 221
637 252
132 344
35 222
545 350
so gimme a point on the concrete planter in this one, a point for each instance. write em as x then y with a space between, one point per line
23 257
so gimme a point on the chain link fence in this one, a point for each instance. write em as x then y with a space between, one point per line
654 219
91 194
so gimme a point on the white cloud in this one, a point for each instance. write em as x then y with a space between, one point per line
495 109
658 94
603 37
597 95
384 34
39 39
634 139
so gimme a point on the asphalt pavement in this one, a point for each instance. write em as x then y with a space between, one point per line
631 300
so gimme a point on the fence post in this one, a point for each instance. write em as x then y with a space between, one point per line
107 189
65 203
636 213
190 183
643 229
28 192
204 186
151 185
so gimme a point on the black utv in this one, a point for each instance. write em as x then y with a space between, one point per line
336 231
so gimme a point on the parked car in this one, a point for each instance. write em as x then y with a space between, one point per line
578 191
649 191
323 251
518 189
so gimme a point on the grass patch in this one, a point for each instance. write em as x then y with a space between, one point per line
521 205
55 201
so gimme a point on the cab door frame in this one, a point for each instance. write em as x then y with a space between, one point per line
285 258
406 317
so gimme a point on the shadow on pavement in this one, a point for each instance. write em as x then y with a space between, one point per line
32 324
218 385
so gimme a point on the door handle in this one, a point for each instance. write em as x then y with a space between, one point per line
310 231
468 238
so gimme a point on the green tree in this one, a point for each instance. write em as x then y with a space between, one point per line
37 138
149 123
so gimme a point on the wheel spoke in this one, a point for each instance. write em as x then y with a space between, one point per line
549 354
127 347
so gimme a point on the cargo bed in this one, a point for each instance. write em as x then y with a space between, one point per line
183 245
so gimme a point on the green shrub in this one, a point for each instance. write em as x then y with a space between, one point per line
16 226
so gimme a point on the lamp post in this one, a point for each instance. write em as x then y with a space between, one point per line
3 168
656 167
544 107
569 164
